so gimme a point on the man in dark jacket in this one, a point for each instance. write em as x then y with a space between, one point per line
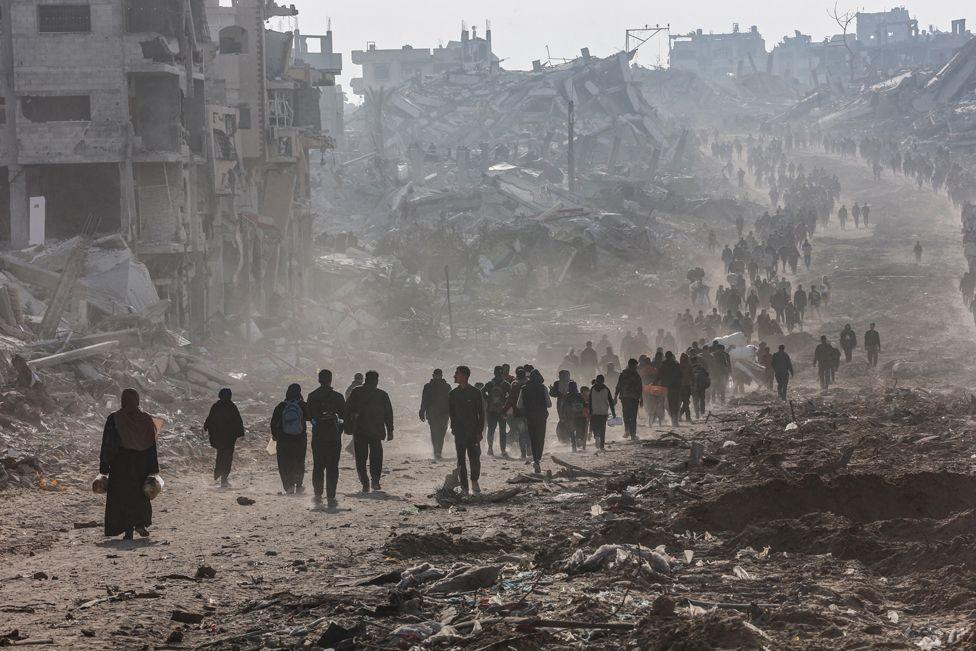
823 359
872 344
669 375
496 394
290 432
630 392
467 411
588 364
534 403
326 409
371 414
848 341
224 425
434 410
783 370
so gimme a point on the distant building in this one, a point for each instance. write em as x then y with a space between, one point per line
719 55
390 68
314 52
796 59
882 28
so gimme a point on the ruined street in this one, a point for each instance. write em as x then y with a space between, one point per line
779 540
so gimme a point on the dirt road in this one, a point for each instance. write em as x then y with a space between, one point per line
283 571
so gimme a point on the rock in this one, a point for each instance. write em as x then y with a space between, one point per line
88 632
206 572
40 576
663 606
186 617
335 634
464 578
245 501
175 636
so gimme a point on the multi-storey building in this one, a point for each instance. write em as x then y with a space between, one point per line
183 125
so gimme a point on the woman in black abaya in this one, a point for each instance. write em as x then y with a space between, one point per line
128 457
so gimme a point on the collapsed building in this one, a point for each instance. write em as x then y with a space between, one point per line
184 127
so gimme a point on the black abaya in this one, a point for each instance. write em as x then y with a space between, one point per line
126 506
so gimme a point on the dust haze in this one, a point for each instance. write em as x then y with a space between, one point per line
487 326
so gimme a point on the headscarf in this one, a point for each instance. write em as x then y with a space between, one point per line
536 376
564 381
225 395
294 392
137 430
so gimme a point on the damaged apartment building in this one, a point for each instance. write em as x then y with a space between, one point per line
182 125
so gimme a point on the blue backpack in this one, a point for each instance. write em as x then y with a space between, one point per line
293 418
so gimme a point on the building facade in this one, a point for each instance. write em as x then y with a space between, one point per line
182 125
385 69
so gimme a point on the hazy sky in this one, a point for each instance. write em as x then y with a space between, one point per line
522 29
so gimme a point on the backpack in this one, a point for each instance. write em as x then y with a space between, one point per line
496 398
575 406
292 419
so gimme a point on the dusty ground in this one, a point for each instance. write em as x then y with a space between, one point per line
781 540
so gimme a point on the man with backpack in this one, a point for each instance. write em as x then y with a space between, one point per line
630 392
467 412
496 393
326 409
288 429
434 410
370 421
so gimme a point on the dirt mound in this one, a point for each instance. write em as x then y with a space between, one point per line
413 545
859 498
713 630
856 517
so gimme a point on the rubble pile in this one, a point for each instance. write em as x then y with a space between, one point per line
742 102
511 110
784 533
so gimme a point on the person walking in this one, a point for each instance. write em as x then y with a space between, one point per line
783 370
687 377
602 405
699 385
326 409
848 342
289 430
128 457
630 390
823 359
669 376
370 414
534 402
576 408
496 394
588 364
434 410
224 426
872 344
516 417
467 413
918 252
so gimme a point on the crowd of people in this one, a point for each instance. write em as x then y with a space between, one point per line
674 380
